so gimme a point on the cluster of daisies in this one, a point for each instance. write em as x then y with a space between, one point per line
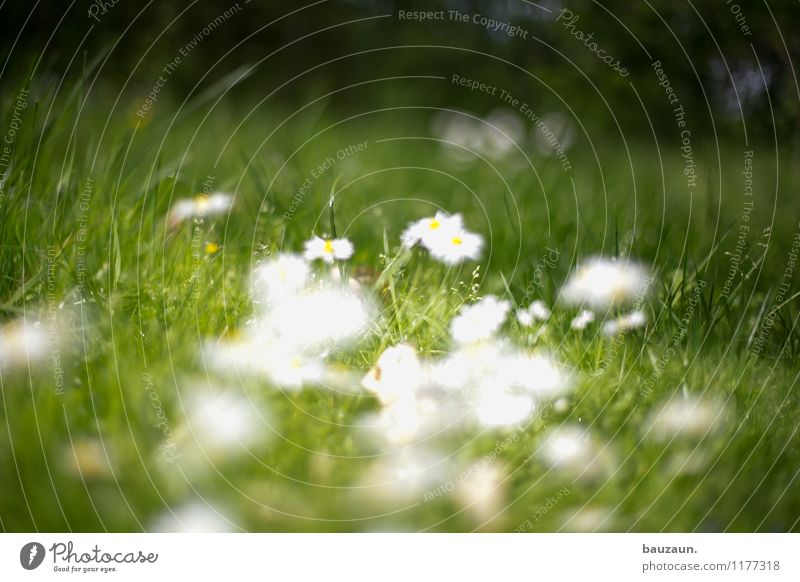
306 314
445 238
307 311
483 381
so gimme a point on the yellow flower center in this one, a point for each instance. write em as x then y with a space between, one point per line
211 248
457 240
202 201
297 362
434 224
328 247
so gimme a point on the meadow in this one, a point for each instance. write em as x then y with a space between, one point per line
687 422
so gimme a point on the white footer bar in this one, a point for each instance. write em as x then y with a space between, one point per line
406 557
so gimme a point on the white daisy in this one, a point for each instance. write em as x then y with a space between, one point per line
561 406
537 374
461 130
686 416
224 422
22 341
480 320
567 447
482 490
262 356
589 519
200 206
291 369
400 422
583 319
234 356
574 450
406 474
328 249
497 407
503 130
539 310
524 317
427 230
468 366
311 320
396 376
193 517
625 323
601 283
280 277
456 245
87 458
497 384
536 311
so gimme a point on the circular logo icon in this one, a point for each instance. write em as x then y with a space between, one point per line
31 555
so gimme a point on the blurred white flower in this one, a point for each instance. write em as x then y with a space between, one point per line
462 134
261 356
200 206
583 319
241 355
480 320
21 342
687 416
625 323
399 422
427 230
499 385
280 277
482 491
572 449
465 137
87 458
539 310
224 422
537 374
328 249
193 517
503 131
291 369
321 316
406 474
536 311
396 376
467 367
602 283
561 405
589 519
555 133
497 363
497 407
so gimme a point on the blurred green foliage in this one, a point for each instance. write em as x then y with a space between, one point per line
730 62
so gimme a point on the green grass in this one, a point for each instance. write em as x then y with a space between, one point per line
145 305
